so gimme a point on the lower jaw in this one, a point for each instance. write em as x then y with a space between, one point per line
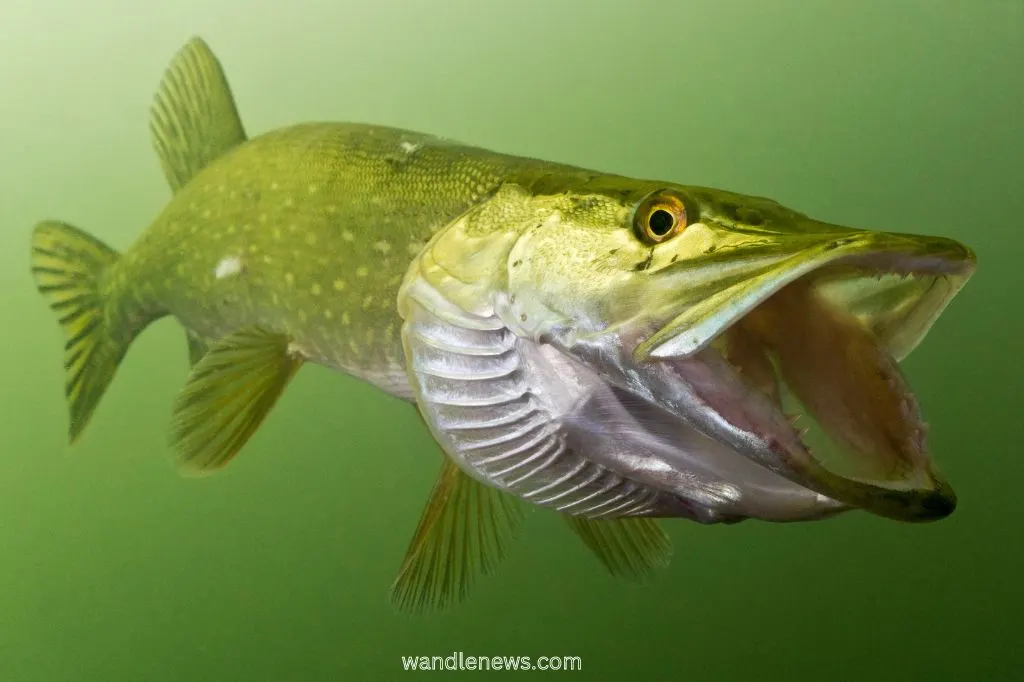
843 375
762 432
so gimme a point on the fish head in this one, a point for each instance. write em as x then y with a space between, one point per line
739 315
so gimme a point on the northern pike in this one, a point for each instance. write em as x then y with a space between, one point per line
617 350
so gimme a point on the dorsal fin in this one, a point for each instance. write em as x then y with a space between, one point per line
193 119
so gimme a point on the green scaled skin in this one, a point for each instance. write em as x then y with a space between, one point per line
307 231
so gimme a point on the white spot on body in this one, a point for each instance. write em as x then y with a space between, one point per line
231 265
409 147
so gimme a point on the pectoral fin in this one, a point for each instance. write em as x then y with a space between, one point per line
229 392
462 532
629 548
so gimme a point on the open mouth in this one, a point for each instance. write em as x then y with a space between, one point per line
805 379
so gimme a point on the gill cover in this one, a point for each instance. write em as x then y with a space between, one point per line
491 398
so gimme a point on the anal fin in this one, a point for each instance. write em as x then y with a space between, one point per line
229 392
462 532
629 547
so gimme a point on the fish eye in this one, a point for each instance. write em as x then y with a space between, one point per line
661 222
660 217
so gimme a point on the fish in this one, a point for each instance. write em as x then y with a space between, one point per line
620 351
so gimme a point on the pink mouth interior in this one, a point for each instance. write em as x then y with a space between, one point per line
798 345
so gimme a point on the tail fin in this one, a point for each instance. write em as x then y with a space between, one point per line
68 266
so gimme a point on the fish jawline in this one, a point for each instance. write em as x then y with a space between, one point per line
791 329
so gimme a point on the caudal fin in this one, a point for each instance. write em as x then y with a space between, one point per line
68 266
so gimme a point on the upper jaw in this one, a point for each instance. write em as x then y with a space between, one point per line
944 265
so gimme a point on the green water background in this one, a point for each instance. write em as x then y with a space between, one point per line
902 116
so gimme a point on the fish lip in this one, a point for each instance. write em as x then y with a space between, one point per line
869 252
859 255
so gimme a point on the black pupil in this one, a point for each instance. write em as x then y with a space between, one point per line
660 222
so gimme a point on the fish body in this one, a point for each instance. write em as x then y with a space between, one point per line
308 231
615 349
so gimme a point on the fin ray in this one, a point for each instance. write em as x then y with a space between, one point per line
193 119
629 547
462 532
229 393
68 266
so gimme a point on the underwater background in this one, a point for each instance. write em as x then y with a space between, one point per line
895 115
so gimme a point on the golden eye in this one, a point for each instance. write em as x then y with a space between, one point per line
659 217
